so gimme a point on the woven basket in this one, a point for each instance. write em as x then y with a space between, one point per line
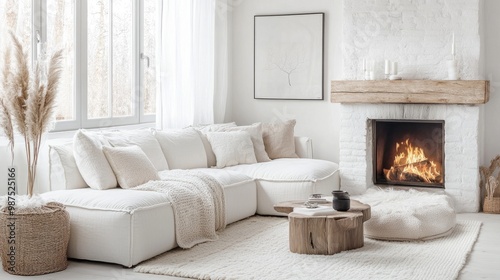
41 240
491 205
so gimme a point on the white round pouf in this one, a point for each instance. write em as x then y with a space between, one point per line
408 214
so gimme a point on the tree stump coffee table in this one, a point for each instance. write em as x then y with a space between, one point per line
325 235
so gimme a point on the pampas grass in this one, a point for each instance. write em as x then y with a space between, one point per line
28 102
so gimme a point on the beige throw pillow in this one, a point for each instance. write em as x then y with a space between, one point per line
130 165
142 138
232 148
279 139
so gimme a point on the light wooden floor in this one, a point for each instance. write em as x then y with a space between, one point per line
483 263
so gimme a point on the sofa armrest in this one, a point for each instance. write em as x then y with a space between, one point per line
303 147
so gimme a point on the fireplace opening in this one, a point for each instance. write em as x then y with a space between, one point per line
408 153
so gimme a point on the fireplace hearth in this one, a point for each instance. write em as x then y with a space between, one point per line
408 153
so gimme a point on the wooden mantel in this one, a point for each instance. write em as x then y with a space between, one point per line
411 91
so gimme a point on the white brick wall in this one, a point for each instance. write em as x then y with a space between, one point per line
461 146
416 33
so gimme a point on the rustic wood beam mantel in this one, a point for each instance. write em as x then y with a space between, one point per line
411 92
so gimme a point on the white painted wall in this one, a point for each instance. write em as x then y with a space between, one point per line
316 119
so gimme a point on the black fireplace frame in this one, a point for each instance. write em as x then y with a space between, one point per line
385 182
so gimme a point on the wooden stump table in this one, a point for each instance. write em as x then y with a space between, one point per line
325 235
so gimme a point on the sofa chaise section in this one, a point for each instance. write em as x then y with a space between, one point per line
129 226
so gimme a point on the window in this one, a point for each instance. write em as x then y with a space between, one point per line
109 72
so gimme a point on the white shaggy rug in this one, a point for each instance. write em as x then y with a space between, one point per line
257 248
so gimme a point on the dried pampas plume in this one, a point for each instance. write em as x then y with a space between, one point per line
5 114
18 96
6 123
28 102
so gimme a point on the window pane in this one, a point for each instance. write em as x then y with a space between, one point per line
98 56
150 30
60 34
15 15
122 58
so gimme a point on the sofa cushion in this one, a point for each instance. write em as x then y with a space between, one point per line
232 148
289 179
288 169
279 139
130 165
63 172
91 161
255 131
142 138
182 148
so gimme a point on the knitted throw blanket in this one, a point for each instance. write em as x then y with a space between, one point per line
197 201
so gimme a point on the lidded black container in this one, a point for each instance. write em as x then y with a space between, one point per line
341 201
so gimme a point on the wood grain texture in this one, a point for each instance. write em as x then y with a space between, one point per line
325 235
410 92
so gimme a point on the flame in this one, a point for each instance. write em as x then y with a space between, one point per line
411 165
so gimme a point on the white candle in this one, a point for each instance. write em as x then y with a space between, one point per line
38 50
387 67
453 44
394 68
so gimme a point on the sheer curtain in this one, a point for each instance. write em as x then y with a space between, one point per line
186 63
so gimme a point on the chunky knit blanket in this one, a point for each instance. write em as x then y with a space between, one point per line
197 201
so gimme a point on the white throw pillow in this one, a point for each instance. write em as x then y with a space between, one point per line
279 139
182 148
63 172
202 130
255 131
142 138
232 148
130 165
92 162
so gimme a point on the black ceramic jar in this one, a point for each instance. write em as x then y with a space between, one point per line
341 201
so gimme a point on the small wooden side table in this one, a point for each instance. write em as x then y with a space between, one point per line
325 235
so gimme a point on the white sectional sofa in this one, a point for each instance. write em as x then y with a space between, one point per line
126 226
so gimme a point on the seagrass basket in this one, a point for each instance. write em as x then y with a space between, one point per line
491 205
490 186
34 241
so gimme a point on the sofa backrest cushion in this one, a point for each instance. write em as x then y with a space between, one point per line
63 172
182 148
255 131
279 139
130 165
92 162
142 138
232 148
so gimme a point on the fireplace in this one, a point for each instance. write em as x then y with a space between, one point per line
408 153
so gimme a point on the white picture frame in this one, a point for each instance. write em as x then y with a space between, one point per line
288 56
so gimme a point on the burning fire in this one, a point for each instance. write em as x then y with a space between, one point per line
411 165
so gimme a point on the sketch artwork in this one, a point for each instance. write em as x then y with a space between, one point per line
289 56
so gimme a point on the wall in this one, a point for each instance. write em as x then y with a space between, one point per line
316 119
492 61
417 34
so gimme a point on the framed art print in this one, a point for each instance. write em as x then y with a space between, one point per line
288 56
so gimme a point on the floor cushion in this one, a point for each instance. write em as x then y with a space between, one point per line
408 214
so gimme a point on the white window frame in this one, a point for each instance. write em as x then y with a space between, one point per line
80 86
